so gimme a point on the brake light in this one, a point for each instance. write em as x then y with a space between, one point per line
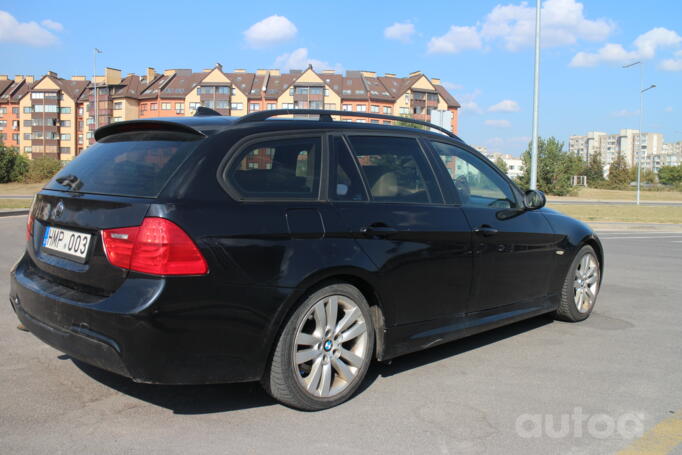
157 247
29 226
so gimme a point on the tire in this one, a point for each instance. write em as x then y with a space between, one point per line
317 364
583 278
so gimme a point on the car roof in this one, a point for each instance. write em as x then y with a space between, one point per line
208 125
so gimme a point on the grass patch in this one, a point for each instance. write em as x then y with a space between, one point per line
622 213
20 189
622 195
15 203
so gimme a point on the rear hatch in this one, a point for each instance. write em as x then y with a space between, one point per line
110 185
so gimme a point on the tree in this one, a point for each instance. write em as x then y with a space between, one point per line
670 175
555 167
619 175
594 171
499 162
12 164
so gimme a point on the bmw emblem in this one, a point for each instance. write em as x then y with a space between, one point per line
328 345
58 210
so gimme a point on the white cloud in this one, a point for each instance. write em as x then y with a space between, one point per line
269 31
468 102
672 64
457 39
610 53
649 42
505 106
563 23
400 31
451 86
299 59
498 123
645 47
52 25
668 109
625 113
30 33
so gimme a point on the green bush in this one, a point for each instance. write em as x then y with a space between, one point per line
42 168
20 169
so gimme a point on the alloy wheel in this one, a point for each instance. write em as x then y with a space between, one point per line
586 283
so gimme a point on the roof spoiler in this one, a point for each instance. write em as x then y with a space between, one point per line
144 125
205 111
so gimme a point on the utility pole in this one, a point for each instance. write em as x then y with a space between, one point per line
536 94
94 86
641 121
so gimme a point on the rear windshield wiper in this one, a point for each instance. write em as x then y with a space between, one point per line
70 181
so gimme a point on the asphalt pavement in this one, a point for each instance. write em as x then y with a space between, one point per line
537 386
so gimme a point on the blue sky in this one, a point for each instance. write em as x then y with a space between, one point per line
481 50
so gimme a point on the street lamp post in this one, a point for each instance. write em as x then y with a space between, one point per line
641 121
536 94
94 84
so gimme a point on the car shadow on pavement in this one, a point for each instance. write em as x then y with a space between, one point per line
207 399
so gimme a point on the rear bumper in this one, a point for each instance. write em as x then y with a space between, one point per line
153 330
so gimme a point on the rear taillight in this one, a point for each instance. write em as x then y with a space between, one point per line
29 220
29 226
158 247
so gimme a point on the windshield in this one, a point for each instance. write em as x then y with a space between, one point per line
135 164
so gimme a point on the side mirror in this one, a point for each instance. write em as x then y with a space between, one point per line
534 199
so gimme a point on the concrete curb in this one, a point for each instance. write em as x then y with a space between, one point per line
13 212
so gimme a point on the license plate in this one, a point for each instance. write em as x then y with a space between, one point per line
63 242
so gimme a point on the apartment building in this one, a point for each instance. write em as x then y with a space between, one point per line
57 117
514 164
626 142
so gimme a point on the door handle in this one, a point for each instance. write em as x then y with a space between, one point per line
486 230
378 230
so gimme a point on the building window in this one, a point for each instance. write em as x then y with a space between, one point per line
27 136
3 110
360 108
117 119
404 111
64 149
15 110
193 106
222 104
346 107
326 92
65 123
271 106
65 137
91 120
237 106
315 105
3 124
118 105
37 95
287 105
165 106
15 137
153 107
254 107
223 90
374 108
180 108
27 149
64 110
80 139
388 110
80 110
330 106
28 110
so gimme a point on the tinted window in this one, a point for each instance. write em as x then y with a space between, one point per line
345 181
128 164
395 169
278 169
476 182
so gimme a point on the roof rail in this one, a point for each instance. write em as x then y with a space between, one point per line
326 116
205 112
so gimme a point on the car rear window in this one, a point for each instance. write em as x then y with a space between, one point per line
135 164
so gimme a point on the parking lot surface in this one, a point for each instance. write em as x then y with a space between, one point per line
532 387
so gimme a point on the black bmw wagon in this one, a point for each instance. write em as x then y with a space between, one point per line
288 251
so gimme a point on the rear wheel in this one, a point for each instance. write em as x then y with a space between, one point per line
581 286
324 351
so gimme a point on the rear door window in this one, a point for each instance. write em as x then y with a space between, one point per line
345 182
135 164
277 169
395 169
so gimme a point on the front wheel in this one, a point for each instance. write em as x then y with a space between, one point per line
581 286
324 351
